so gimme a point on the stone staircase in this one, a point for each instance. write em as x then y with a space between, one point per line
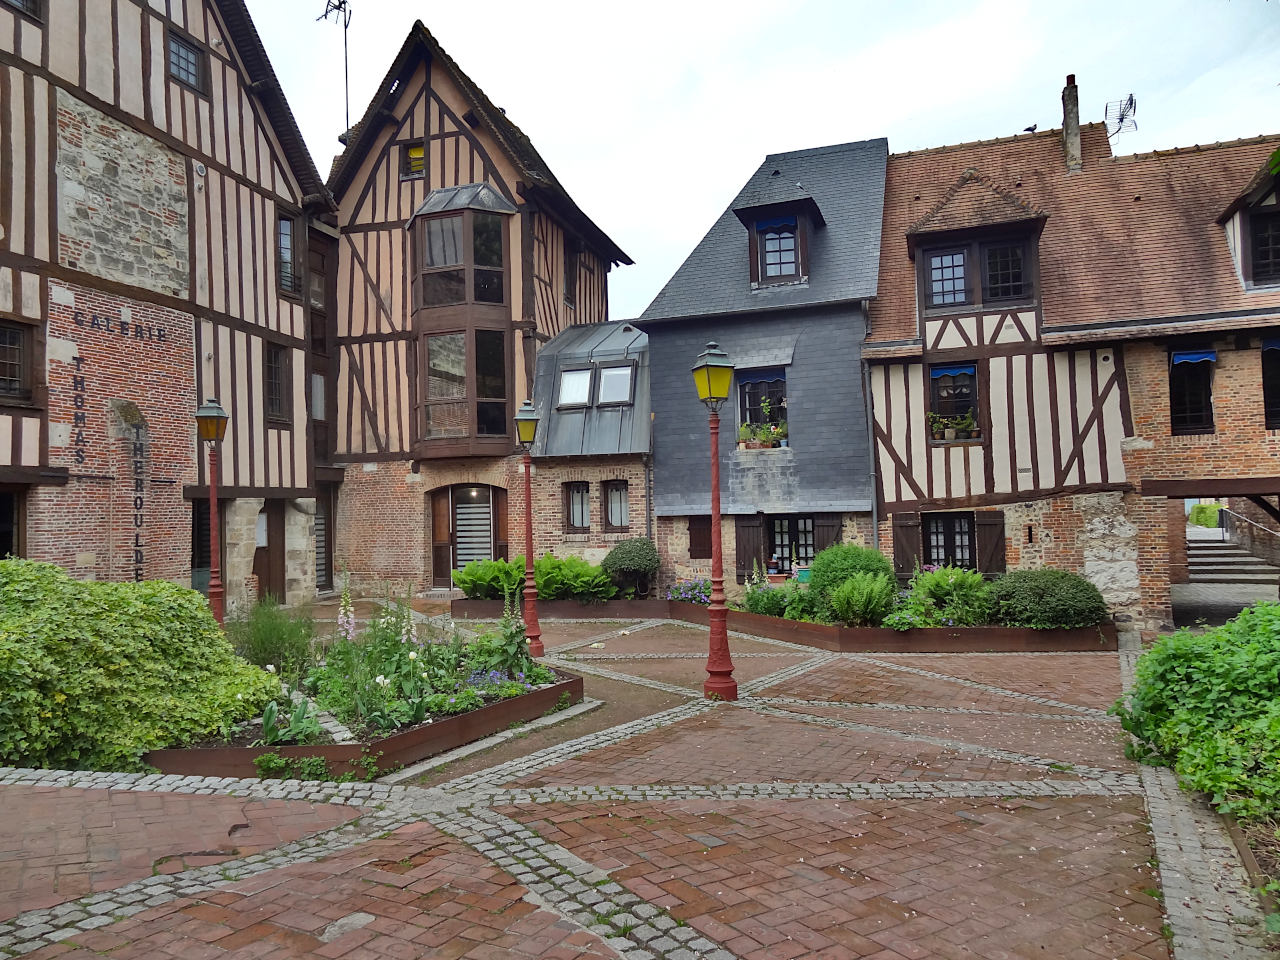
1210 561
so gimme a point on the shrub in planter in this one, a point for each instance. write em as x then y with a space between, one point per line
807 605
767 600
864 599
569 578
92 675
691 591
490 579
269 635
962 597
836 564
1208 705
632 564
1047 600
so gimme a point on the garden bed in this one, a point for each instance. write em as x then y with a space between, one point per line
383 755
467 609
932 640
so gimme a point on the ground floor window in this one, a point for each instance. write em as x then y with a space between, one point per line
325 500
616 515
790 542
949 540
12 521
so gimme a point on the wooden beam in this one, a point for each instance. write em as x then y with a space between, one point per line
1265 505
1211 487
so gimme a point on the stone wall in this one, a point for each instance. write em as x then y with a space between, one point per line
300 551
122 202
1177 533
240 542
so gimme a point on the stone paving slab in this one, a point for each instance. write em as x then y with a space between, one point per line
94 840
732 745
691 673
950 878
676 638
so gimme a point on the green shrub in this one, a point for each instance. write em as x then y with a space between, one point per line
570 578
864 599
92 675
633 565
1209 706
1047 600
913 611
963 597
836 564
270 635
807 605
767 600
490 579
1204 514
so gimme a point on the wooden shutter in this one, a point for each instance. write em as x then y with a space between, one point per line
441 538
989 534
906 543
826 531
750 543
500 520
699 538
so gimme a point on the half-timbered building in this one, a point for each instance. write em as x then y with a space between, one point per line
459 254
159 244
1063 340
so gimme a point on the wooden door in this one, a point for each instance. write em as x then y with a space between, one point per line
268 558
441 537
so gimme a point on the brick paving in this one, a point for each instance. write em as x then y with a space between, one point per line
888 806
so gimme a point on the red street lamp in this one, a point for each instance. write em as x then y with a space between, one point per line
211 427
713 374
526 430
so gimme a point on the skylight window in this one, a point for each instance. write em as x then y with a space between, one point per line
615 384
575 388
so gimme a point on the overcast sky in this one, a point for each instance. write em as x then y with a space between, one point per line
654 114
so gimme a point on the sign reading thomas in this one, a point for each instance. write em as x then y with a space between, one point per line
122 326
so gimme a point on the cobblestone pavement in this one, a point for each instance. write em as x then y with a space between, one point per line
891 807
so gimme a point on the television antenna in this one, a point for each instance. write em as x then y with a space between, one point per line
340 10
1120 115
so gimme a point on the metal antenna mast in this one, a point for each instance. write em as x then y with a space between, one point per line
341 11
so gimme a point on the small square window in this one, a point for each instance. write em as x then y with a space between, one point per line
186 62
616 513
1264 235
575 388
1191 392
947 278
577 507
778 250
276 383
762 395
413 165
15 350
615 384
1004 277
949 540
953 395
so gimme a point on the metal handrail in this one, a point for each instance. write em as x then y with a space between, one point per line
1254 523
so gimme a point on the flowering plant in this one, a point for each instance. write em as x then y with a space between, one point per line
691 591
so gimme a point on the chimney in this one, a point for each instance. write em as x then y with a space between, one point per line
1071 124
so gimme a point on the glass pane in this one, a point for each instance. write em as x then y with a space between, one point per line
316 295
447 419
491 419
937 541
615 384
317 396
964 542
1004 272
946 278
10 359
488 286
575 388
447 286
579 510
487 239
442 242
491 365
617 504
446 366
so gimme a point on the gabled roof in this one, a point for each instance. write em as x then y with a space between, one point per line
1262 183
1130 241
592 430
543 186
244 37
974 201
846 181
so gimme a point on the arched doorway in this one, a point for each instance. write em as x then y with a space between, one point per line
468 522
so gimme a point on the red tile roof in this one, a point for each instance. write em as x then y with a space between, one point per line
1128 238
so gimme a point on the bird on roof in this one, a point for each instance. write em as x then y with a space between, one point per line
1030 129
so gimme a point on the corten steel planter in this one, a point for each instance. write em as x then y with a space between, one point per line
399 749
932 640
565 610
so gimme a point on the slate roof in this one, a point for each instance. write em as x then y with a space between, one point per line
1128 241
244 35
541 182
473 196
846 182
592 430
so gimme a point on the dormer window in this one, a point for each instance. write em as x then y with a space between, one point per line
778 250
1264 233
977 274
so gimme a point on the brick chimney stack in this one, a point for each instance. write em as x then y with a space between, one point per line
1071 124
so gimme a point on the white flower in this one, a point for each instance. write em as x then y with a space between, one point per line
413 654
239 696
424 675
270 668
382 681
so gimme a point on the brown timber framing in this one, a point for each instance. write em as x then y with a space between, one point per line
1211 487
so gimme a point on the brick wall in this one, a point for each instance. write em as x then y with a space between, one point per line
383 530
121 420
1177 533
